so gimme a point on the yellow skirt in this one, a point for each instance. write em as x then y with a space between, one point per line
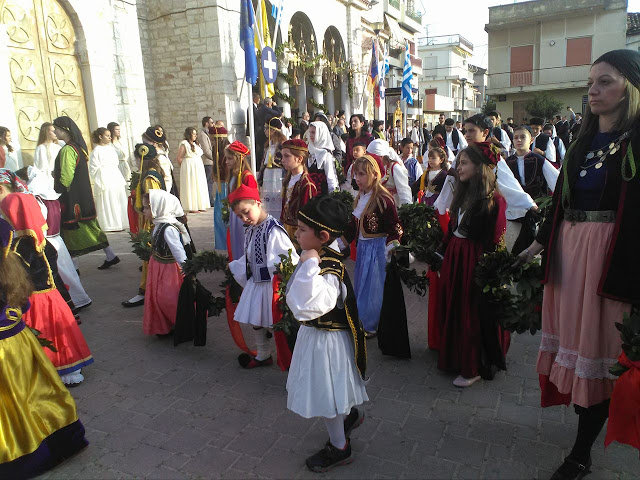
34 403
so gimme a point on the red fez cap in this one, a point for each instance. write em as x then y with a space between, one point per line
490 152
442 143
239 147
244 193
296 144
221 131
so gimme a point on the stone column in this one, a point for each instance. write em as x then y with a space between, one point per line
318 96
344 92
283 86
302 94
331 101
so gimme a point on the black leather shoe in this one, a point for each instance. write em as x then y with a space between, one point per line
109 263
329 457
572 470
129 304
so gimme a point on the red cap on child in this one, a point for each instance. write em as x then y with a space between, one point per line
296 144
239 147
244 193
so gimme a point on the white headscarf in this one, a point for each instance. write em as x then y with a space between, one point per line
323 145
40 184
166 208
381 147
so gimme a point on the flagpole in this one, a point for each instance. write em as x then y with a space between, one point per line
252 133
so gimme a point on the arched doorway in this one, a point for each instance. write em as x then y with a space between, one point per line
302 36
333 48
45 76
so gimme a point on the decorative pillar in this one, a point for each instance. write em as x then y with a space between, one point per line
331 100
344 93
302 94
318 96
283 86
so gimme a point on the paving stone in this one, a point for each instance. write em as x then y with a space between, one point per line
209 461
188 439
450 412
142 459
492 431
538 454
252 442
520 415
169 421
422 467
423 429
392 410
510 470
465 472
395 448
479 398
463 450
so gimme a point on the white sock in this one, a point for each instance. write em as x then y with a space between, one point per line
109 253
76 264
137 298
335 427
263 345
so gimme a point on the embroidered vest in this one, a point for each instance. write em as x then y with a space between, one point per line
534 182
256 265
344 316
160 247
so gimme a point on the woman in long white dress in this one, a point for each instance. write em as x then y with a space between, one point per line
194 193
11 158
272 171
109 186
123 157
44 158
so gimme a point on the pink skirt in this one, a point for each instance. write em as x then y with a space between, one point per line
161 297
580 341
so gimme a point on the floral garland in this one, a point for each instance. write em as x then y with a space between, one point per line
283 96
287 77
318 106
514 293
287 324
630 332
317 85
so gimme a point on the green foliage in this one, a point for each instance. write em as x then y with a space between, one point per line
43 341
515 293
288 324
226 211
543 105
287 98
345 197
489 106
141 243
318 106
207 261
422 233
414 281
629 330
135 179
317 85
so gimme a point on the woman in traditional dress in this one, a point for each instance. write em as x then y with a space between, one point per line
49 313
591 254
357 134
219 142
81 231
109 184
39 423
238 173
321 166
123 156
194 192
272 171
44 158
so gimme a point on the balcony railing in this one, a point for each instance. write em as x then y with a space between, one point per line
445 40
519 79
395 3
415 61
414 15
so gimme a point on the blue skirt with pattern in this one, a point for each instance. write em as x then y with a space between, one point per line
369 280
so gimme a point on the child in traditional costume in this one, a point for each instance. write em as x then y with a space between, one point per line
49 313
297 188
152 177
219 142
265 240
39 425
429 185
414 169
394 173
321 166
374 222
327 372
164 277
271 172
238 174
472 344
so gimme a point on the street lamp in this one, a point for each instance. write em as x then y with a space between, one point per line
463 81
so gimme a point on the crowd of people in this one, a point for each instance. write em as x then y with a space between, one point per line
480 175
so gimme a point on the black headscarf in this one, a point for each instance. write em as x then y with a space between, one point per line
627 62
69 126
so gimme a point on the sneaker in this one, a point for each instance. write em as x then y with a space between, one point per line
462 382
352 421
572 470
329 457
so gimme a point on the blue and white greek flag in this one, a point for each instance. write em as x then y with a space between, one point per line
276 10
407 74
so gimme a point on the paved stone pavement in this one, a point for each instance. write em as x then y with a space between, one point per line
152 410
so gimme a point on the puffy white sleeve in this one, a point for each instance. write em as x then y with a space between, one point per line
518 201
172 237
562 150
419 170
401 181
550 152
40 159
551 174
278 244
330 172
95 166
443 202
238 269
462 142
506 141
311 295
